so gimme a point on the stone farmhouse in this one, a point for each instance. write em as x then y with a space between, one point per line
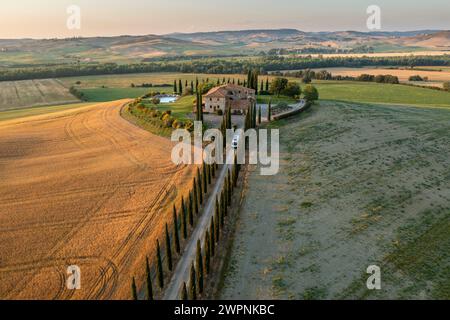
229 95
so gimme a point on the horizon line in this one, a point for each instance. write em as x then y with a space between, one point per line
225 30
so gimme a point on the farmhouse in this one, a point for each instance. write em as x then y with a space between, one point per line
229 95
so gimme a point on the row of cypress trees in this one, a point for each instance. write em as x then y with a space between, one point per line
252 117
201 266
183 222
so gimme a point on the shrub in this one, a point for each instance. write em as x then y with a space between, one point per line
168 121
220 112
446 85
416 78
189 125
311 93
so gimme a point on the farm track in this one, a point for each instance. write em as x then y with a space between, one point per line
113 182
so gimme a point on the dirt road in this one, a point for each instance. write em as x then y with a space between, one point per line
81 187
182 271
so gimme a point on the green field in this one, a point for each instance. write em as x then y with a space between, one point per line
111 94
21 113
381 93
125 80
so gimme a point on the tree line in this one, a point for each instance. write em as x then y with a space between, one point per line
240 65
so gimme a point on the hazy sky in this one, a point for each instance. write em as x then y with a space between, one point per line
47 18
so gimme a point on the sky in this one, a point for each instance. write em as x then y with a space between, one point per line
48 18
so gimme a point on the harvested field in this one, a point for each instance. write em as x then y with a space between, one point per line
435 78
31 93
359 185
81 187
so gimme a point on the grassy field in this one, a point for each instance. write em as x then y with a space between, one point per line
125 80
359 185
29 93
111 94
381 93
21 113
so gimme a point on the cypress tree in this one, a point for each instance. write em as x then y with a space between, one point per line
262 85
236 171
183 218
209 173
269 111
205 179
193 283
199 267
191 210
199 186
212 237
230 188
148 275
176 236
159 268
207 252
217 226
175 89
133 290
185 83
196 85
180 87
259 115
168 249
224 201
192 87
196 205
267 84
213 170
184 294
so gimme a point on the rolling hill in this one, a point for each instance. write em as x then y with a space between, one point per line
125 49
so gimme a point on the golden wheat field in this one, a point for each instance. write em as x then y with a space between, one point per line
81 187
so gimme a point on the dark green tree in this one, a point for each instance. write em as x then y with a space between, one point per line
196 204
259 115
269 111
191 210
199 267
199 186
159 266
168 249
205 179
217 226
133 290
213 238
184 294
180 87
209 168
176 236
310 93
207 253
193 283
148 275
183 218
175 89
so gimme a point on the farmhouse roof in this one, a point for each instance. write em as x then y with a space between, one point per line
222 91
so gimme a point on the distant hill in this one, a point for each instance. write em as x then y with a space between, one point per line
124 49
